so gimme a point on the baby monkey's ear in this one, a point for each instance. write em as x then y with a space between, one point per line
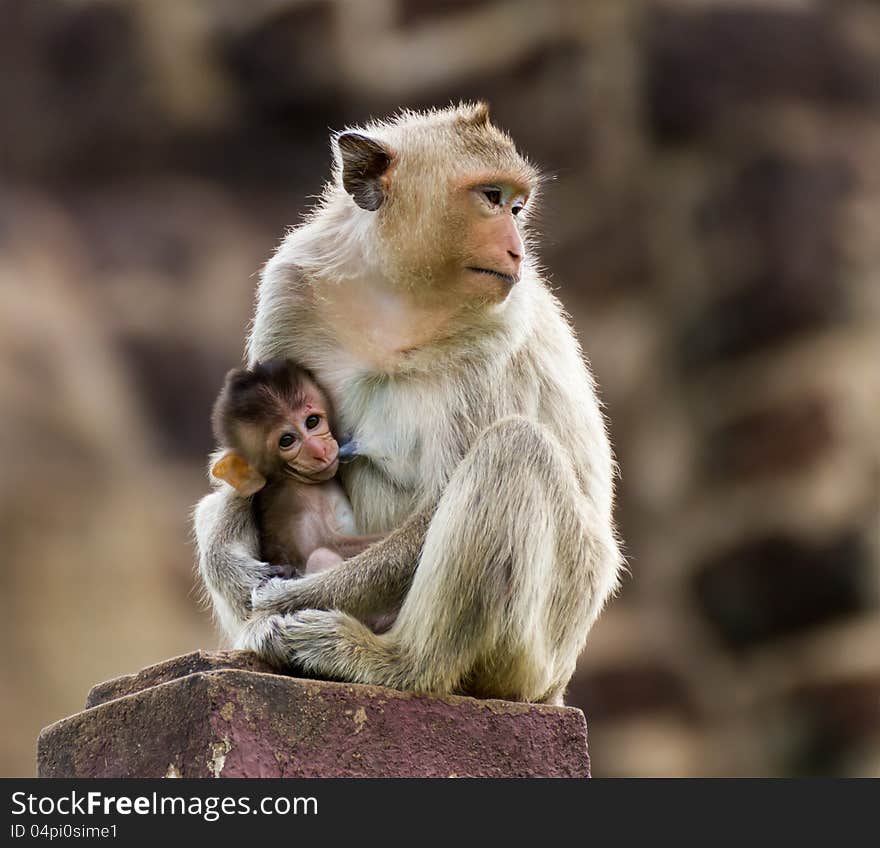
232 468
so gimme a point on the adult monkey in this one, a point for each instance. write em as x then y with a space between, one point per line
408 293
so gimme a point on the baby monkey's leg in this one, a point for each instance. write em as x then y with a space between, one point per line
320 560
349 546
337 550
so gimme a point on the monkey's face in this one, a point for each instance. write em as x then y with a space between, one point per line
448 191
273 420
490 249
473 251
302 444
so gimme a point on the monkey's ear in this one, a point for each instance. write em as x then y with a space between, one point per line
475 114
235 470
364 162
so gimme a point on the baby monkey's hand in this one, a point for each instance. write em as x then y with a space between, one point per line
267 572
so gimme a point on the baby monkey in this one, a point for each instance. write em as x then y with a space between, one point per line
273 423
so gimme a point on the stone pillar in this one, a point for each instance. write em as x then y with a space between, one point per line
227 714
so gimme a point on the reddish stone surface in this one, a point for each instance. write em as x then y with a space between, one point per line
172 669
233 722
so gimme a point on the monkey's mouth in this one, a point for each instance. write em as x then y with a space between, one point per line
510 279
314 475
326 471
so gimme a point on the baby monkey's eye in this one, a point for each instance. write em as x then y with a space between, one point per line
286 440
313 421
493 195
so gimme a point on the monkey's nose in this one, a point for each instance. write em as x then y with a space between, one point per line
514 248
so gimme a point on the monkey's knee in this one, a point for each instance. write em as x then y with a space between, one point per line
518 440
518 455
506 498
517 432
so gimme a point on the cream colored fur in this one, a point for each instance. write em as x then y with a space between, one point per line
485 449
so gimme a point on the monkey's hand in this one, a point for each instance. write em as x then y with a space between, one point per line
267 571
370 583
276 593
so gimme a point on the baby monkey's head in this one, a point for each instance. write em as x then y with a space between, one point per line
273 421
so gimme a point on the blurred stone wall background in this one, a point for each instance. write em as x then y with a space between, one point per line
714 229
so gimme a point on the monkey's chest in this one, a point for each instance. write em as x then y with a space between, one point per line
340 516
393 427
329 514
296 520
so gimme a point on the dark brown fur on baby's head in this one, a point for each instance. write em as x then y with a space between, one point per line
260 395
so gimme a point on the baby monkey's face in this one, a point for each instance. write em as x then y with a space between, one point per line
303 443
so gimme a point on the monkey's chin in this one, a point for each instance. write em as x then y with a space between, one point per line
320 475
326 473
494 286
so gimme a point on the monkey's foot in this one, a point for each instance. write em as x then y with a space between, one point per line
333 644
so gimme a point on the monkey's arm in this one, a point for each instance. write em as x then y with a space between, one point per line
372 582
228 545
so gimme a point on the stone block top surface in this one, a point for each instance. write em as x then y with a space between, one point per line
223 715
173 669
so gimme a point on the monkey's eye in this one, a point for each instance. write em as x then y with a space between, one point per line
517 208
286 441
313 421
493 195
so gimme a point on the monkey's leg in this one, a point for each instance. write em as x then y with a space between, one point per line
338 549
513 572
370 583
349 546
321 559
